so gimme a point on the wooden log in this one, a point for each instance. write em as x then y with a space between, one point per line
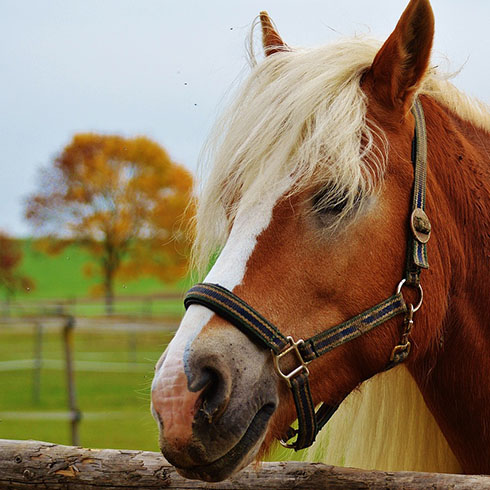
32 464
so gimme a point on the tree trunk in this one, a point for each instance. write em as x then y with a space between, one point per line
109 266
32 464
109 292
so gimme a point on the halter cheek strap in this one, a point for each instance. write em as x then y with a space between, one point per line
236 311
419 222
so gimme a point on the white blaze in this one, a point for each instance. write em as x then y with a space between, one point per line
228 271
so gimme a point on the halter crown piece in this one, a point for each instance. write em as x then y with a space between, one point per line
236 311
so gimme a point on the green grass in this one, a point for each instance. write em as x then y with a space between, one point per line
60 280
120 399
55 276
61 276
116 403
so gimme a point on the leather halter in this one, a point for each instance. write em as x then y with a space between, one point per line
236 311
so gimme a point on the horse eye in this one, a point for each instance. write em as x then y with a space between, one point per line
325 203
328 203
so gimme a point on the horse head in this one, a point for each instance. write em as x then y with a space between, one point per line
310 212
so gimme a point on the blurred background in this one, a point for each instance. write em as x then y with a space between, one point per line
105 106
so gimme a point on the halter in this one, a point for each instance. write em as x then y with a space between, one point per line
236 311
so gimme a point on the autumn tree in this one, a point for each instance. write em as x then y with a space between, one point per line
124 200
11 279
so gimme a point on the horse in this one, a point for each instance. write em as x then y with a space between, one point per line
312 205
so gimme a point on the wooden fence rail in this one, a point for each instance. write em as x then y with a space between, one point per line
32 464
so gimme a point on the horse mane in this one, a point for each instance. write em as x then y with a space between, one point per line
384 425
300 120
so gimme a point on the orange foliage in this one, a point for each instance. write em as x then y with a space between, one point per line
10 258
122 198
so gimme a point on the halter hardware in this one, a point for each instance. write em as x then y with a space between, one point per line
236 311
293 347
420 224
402 283
401 351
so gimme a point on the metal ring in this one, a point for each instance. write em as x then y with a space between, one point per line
421 293
286 444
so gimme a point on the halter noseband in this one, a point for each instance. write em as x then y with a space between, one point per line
236 311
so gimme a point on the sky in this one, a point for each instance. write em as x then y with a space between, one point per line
163 68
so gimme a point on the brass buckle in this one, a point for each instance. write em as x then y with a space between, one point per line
293 347
402 349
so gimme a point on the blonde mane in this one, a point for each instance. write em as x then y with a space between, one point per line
300 120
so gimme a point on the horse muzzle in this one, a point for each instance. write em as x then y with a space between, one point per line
213 398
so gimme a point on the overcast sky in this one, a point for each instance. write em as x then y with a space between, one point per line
161 68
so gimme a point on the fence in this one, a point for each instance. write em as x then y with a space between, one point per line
142 306
30 463
64 327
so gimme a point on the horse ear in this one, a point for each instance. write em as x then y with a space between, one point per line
271 39
401 63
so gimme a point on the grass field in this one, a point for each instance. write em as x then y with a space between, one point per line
60 280
61 276
114 369
115 404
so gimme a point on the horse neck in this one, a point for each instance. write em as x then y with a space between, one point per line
453 371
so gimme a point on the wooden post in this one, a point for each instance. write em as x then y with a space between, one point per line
38 360
71 304
32 464
68 337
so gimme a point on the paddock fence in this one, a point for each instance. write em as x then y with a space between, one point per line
65 326
30 464
162 305
33 464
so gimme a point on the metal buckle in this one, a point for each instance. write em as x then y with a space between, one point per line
293 347
402 350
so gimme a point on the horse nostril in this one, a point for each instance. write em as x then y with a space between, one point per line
198 379
216 392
